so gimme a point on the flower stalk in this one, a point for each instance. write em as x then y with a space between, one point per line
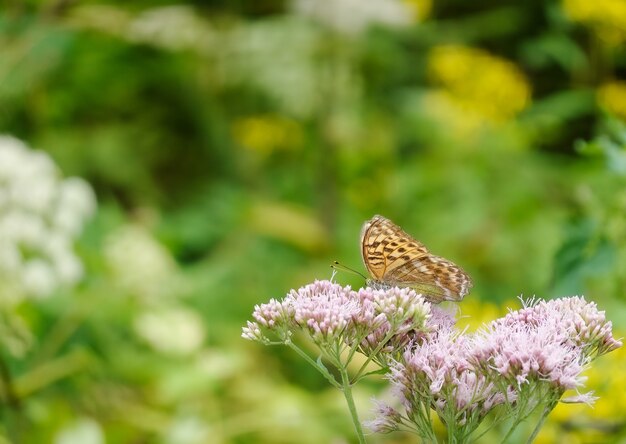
346 388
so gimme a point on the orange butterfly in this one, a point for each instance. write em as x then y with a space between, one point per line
394 258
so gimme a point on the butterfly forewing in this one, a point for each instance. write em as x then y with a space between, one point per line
384 247
393 257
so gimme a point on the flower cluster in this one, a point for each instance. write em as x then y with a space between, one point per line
41 214
524 360
368 319
393 318
266 134
585 326
175 331
479 82
607 18
437 374
140 265
517 365
355 16
611 97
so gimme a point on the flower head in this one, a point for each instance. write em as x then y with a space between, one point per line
391 318
400 306
607 18
140 265
377 321
611 97
527 358
572 319
387 418
324 309
176 331
479 82
41 214
522 354
432 363
355 16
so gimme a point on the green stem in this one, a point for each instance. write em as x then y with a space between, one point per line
516 422
308 359
50 372
13 416
12 399
544 415
523 411
373 353
57 336
347 393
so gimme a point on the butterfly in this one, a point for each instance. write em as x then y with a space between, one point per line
394 258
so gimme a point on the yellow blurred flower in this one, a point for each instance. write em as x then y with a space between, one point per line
421 8
474 312
267 133
606 379
479 82
607 18
612 98
289 223
443 107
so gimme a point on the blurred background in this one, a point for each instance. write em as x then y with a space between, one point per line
165 166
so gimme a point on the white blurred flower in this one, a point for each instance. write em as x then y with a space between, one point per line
68 267
81 431
278 56
174 331
140 264
38 277
354 16
189 430
76 195
38 209
172 27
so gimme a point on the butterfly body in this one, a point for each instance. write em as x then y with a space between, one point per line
393 258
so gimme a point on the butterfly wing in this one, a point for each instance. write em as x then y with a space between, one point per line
385 246
395 258
437 278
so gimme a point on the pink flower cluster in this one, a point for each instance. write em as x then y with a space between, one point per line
534 354
580 322
522 361
329 312
521 353
437 374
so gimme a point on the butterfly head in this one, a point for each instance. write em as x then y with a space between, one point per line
376 284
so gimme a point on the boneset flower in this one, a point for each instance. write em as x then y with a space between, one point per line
581 323
519 354
326 310
519 364
387 419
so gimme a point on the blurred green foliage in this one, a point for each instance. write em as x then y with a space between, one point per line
237 147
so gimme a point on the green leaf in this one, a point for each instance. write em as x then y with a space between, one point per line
584 254
380 371
322 368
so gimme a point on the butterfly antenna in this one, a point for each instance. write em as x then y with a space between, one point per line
340 267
